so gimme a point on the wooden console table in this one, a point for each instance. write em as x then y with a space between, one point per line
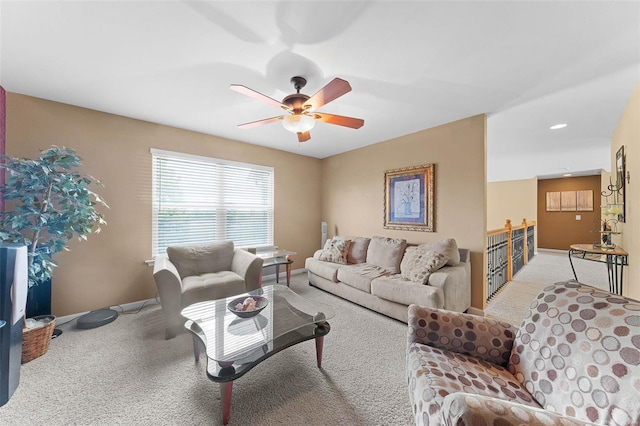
615 258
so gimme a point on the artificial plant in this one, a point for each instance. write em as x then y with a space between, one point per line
48 201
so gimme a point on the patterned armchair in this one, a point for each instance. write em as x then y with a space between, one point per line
574 360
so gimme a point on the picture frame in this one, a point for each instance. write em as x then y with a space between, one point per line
553 201
408 198
584 201
568 201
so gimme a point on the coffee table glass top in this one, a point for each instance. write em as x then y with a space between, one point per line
231 339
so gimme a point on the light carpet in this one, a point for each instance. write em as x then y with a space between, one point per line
546 268
125 373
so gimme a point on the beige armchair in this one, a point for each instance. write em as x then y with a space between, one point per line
190 274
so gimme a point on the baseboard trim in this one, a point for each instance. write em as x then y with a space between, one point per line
545 250
475 311
125 307
134 306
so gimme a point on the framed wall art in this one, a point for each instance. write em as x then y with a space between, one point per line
408 198
553 201
584 200
568 201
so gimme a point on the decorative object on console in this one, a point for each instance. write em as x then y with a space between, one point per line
302 108
408 198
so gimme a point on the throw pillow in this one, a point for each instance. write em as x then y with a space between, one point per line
386 252
335 250
358 250
417 264
448 247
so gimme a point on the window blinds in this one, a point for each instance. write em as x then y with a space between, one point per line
200 200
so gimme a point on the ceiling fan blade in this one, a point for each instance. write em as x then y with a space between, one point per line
334 89
303 136
340 120
260 122
259 96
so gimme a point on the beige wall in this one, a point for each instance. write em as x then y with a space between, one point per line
627 133
345 190
353 186
109 268
513 199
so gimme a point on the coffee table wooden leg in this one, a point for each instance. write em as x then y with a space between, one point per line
288 273
226 389
319 346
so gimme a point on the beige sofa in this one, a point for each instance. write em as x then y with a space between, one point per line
190 274
387 275
575 359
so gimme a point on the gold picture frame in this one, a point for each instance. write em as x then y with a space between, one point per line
408 198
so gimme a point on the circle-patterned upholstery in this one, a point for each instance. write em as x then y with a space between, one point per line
578 353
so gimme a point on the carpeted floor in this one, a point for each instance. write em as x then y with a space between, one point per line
547 267
125 373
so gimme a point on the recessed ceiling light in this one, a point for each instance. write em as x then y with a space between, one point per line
558 126
566 174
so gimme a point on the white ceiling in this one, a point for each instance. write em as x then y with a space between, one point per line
412 65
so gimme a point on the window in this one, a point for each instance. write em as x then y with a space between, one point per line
200 199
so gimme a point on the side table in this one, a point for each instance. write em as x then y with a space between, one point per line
276 258
615 258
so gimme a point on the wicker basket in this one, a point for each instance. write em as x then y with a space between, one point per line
35 341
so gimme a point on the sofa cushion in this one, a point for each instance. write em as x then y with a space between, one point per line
386 252
335 250
417 264
400 290
578 353
201 259
214 285
448 247
326 270
435 373
358 250
360 276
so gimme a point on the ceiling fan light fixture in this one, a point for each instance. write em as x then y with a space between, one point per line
558 126
298 123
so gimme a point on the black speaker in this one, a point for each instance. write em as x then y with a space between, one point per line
13 298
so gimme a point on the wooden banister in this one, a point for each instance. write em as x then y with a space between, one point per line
508 250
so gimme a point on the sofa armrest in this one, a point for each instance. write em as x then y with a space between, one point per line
467 334
455 283
248 266
461 408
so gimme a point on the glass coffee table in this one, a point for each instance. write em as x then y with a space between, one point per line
235 345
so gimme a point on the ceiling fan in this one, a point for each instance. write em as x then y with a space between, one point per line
302 108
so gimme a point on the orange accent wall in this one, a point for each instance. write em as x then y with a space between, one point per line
558 230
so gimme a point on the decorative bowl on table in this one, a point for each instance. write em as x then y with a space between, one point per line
244 308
